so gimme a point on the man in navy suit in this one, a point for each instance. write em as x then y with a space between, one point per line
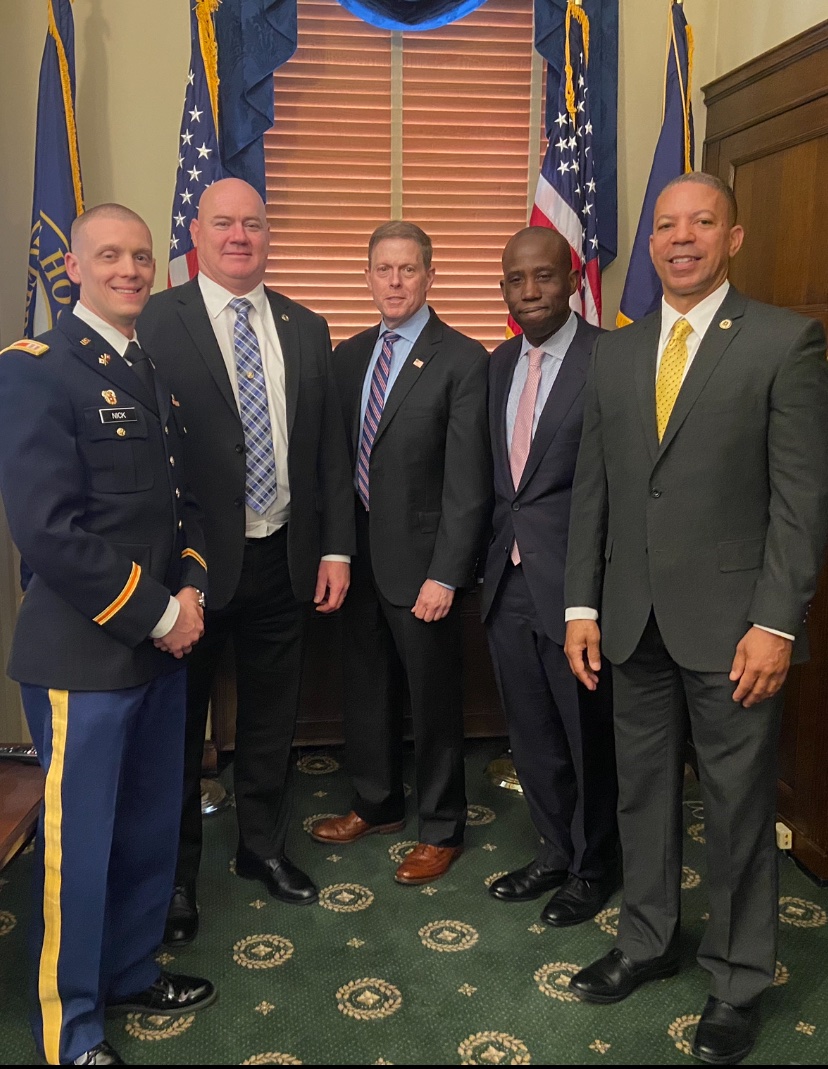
560 733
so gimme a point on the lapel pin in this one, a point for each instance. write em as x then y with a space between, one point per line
109 397
726 324
286 317
418 363
86 341
104 359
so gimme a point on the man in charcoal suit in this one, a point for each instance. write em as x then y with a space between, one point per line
699 516
267 453
560 732
413 392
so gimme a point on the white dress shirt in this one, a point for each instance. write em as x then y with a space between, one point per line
699 317
119 342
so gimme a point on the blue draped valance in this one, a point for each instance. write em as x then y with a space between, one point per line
255 37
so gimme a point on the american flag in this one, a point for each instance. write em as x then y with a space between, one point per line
565 197
199 163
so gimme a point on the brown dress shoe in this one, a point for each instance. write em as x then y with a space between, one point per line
426 863
349 828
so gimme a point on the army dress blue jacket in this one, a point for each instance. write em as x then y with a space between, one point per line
93 482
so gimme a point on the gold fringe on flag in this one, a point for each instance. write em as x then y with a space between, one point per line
68 109
205 9
574 11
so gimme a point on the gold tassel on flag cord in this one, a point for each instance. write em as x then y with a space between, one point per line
574 11
205 9
68 108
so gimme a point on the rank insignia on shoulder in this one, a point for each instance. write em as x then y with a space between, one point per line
104 359
27 345
109 397
176 403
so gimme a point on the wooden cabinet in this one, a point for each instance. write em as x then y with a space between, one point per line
320 713
767 135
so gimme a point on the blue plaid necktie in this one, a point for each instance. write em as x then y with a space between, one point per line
373 413
260 489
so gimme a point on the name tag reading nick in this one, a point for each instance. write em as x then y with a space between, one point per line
118 415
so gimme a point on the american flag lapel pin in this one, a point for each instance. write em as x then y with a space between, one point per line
418 363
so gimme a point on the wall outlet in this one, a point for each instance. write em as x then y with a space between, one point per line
784 836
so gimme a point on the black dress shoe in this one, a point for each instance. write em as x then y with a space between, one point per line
181 926
100 1054
613 977
577 901
169 996
280 876
725 1034
532 881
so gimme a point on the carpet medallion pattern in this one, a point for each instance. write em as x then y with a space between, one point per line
383 974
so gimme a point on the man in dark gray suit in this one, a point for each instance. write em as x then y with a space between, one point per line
560 732
699 518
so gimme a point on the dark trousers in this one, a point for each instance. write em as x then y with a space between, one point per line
736 749
386 646
265 623
105 851
560 734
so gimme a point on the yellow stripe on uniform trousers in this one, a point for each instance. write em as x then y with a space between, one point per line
107 846
51 1007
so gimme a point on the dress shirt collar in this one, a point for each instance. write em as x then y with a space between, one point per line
111 335
412 328
556 344
217 298
699 317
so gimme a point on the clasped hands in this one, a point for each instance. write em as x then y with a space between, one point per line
187 629
759 667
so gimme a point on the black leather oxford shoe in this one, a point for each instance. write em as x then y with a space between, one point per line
532 881
280 876
613 977
577 901
181 926
725 1034
100 1054
169 996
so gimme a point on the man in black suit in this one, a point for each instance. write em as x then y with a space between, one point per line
414 396
560 733
93 480
699 517
266 448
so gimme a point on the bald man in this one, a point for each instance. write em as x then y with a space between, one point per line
560 732
267 449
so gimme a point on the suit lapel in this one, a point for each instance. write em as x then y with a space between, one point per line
568 384
196 319
418 359
500 399
288 333
99 356
644 362
713 346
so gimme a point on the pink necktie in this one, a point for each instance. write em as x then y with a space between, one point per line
522 433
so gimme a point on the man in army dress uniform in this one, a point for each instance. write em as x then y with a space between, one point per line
92 480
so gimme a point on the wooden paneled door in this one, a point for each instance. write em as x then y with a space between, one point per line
767 135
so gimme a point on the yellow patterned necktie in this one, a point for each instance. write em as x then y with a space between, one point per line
668 382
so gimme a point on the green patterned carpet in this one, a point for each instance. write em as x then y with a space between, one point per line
383 974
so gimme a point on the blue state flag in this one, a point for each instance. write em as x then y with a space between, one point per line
58 196
674 155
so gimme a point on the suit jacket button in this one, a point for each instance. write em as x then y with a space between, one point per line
238 502
515 508
655 493
239 448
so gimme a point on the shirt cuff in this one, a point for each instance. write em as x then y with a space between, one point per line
580 612
773 631
446 586
340 557
168 620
